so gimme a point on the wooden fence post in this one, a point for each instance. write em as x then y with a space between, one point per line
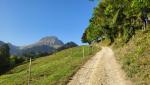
29 75
83 54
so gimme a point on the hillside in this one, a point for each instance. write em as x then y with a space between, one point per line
135 57
55 69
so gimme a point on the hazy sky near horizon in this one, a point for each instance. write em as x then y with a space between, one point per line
23 22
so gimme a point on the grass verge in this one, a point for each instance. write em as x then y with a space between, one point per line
135 58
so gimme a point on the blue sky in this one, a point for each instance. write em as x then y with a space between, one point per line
23 22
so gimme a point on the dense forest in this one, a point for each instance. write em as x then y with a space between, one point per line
117 19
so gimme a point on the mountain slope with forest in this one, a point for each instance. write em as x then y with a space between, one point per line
47 44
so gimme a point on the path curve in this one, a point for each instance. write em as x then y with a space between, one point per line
102 69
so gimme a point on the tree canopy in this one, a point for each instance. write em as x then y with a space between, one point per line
117 18
4 56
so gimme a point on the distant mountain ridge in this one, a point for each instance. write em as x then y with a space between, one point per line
46 44
67 45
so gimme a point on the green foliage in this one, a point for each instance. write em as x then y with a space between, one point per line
14 60
117 18
135 58
6 61
4 56
29 54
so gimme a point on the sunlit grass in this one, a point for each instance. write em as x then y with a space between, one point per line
135 58
55 69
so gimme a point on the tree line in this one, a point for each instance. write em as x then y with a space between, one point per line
8 61
117 18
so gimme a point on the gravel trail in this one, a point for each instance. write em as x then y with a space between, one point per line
102 69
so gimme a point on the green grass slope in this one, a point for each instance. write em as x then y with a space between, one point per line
135 57
55 69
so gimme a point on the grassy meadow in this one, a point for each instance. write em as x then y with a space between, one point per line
56 69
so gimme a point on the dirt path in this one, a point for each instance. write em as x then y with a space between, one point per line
102 69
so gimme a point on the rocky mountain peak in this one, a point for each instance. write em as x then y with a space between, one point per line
51 40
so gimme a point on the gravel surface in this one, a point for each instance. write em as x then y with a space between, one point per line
102 69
